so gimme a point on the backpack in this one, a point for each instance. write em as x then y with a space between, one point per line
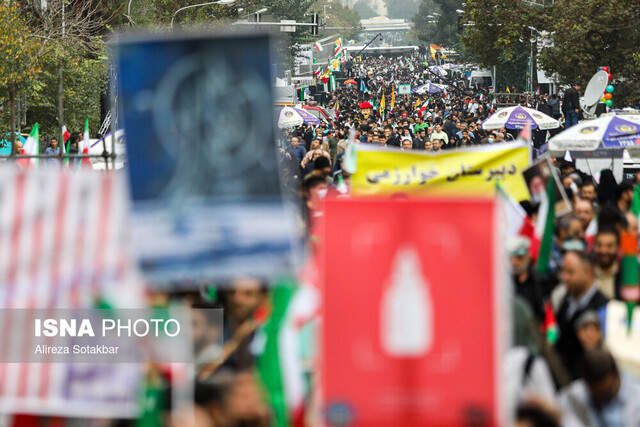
556 109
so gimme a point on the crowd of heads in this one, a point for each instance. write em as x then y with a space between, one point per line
584 270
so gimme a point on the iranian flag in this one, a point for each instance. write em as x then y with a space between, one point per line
279 365
32 144
514 216
65 136
337 46
423 110
85 144
318 46
550 325
629 265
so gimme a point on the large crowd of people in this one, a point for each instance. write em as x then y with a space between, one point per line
572 380
569 378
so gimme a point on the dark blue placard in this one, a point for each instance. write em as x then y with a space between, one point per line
202 161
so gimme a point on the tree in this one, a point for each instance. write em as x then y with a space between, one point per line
498 28
163 11
71 32
423 29
297 10
401 9
581 35
501 33
364 10
84 81
436 21
18 57
587 34
338 16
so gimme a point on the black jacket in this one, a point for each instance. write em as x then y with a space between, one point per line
568 345
571 100
545 108
534 291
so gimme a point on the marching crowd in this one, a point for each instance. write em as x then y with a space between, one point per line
558 370
567 378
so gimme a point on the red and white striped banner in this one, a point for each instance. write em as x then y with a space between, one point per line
64 244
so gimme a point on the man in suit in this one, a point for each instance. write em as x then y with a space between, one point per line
571 105
582 295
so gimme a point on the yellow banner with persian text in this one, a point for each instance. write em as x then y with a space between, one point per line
469 172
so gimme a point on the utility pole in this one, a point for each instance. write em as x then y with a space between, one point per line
60 89
370 41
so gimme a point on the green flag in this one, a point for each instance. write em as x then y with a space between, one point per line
635 202
546 217
32 144
279 366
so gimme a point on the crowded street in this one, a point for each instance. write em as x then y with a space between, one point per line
316 213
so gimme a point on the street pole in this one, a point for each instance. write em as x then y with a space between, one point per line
324 9
225 2
61 91
365 46
531 69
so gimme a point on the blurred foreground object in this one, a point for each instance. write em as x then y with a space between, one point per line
64 244
203 168
412 304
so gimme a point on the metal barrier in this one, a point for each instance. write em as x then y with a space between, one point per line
506 99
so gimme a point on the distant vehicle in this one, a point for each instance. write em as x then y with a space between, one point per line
483 77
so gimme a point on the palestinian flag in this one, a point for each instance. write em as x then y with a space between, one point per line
544 226
629 268
318 46
32 144
318 71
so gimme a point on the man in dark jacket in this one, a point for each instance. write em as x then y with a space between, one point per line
571 105
530 285
540 136
582 295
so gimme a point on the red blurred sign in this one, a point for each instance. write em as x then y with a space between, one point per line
411 303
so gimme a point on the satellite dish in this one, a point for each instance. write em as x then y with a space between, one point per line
593 93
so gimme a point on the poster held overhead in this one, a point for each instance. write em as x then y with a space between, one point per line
203 170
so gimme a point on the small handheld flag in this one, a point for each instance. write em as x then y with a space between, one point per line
629 268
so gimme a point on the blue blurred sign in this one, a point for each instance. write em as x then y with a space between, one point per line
5 144
203 166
